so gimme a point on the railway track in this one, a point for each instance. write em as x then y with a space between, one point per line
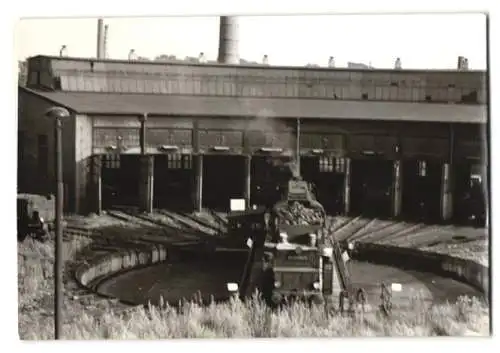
219 229
129 216
190 223
398 230
382 227
166 223
347 228
70 232
218 218
163 227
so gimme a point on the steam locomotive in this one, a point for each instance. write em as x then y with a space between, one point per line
303 259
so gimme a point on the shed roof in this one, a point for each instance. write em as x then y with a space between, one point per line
162 105
181 62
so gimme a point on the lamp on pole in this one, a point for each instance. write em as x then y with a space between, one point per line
58 114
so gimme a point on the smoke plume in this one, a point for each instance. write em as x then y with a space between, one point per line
266 123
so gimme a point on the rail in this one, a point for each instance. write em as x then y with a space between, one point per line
75 231
345 282
256 250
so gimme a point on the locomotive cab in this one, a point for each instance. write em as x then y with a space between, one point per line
244 225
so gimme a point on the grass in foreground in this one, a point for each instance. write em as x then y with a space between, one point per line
240 320
92 319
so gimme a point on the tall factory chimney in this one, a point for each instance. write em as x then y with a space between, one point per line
100 39
105 40
228 41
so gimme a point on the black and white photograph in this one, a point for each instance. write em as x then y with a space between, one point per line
251 176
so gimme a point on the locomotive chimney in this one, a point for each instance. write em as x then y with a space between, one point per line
100 39
228 41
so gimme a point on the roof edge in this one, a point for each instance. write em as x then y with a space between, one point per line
246 66
91 111
47 99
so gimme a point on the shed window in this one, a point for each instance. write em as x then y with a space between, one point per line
174 161
340 165
326 164
187 162
111 161
422 168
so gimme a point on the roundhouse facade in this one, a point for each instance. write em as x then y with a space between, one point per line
159 135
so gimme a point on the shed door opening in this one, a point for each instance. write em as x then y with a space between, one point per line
120 180
371 187
173 182
223 179
470 194
421 198
327 176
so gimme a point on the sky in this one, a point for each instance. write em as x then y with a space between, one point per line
421 41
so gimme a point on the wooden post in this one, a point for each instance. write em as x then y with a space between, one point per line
347 187
150 184
447 180
446 193
247 186
199 183
97 181
397 189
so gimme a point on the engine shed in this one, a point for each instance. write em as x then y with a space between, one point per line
380 143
